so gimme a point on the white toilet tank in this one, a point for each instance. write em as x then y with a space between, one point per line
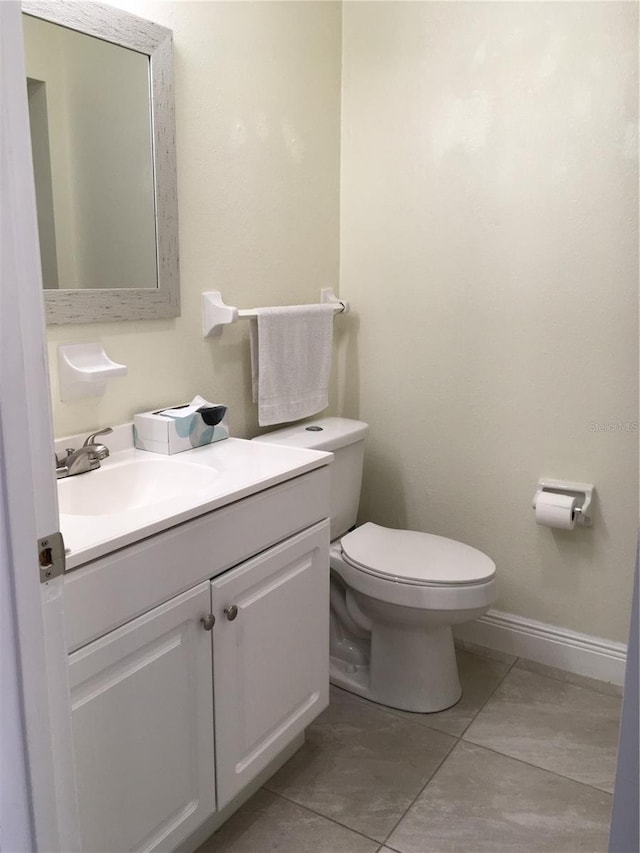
345 439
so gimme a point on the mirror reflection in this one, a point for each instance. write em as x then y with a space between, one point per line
91 126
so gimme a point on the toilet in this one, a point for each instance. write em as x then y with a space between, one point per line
395 594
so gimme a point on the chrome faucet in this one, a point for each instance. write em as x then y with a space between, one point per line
85 458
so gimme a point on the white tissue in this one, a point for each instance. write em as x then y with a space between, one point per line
186 411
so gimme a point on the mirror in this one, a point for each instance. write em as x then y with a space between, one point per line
103 137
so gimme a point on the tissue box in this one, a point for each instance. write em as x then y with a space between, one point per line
162 433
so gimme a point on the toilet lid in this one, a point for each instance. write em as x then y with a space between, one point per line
408 556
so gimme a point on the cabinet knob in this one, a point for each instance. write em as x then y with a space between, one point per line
208 622
231 612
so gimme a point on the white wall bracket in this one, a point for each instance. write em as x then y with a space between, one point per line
84 370
216 315
583 492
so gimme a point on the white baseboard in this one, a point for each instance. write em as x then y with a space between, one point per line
546 644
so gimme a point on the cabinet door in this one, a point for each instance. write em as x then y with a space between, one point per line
142 720
271 656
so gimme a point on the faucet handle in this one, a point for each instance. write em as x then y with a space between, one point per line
91 438
61 463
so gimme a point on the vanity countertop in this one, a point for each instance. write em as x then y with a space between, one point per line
212 476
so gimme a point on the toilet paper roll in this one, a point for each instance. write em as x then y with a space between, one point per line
554 510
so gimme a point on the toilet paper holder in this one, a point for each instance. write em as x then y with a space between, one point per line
583 492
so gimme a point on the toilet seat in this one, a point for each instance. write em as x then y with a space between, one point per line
415 558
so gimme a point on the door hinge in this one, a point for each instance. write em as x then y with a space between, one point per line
51 557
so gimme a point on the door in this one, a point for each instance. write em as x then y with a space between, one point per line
271 654
38 795
142 719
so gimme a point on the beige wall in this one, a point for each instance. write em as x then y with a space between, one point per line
258 136
489 248
489 242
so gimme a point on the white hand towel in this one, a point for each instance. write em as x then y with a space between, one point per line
291 351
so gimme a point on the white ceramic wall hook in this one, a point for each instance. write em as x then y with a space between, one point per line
84 369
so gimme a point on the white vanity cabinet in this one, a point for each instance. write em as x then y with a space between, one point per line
142 711
171 721
271 641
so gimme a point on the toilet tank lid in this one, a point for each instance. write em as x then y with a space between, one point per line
318 434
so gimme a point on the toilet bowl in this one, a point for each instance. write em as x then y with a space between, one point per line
395 594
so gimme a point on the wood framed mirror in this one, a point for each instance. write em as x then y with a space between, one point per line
100 83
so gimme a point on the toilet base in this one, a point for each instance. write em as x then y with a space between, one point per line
430 684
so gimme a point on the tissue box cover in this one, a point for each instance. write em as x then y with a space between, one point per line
161 433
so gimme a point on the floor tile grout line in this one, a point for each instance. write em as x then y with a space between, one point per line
495 752
536 767
457 738
382 709
514 758
385 842
397 713
413 801
488 699
367 703
555 674
358 700
323 816
460 739
612 693
475 714
385 846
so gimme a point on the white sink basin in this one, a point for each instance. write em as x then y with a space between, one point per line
130 485
136 494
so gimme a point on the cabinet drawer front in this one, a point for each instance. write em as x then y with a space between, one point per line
271 655
141 717
114 589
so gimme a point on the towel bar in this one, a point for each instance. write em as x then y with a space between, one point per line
215 314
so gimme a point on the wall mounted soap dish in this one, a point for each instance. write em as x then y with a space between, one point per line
84 370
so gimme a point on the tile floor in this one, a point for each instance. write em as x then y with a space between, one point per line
524 762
